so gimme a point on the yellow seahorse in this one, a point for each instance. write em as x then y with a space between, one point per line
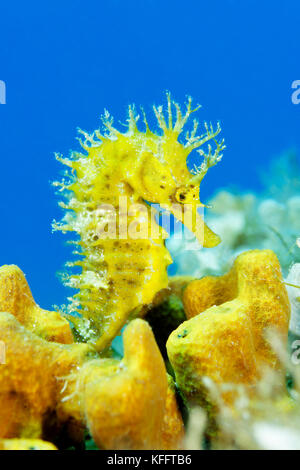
124 258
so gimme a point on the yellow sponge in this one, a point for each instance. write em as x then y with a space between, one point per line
25 444
224 338
16 298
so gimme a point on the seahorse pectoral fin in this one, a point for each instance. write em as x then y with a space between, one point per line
189 216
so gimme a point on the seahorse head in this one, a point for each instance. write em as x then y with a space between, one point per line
160 172
153 164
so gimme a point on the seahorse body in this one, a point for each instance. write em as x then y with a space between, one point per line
106 200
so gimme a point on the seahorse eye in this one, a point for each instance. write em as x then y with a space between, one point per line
180 195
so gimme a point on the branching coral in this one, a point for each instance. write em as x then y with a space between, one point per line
224 338
123 266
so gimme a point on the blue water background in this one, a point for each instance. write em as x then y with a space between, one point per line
63 62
